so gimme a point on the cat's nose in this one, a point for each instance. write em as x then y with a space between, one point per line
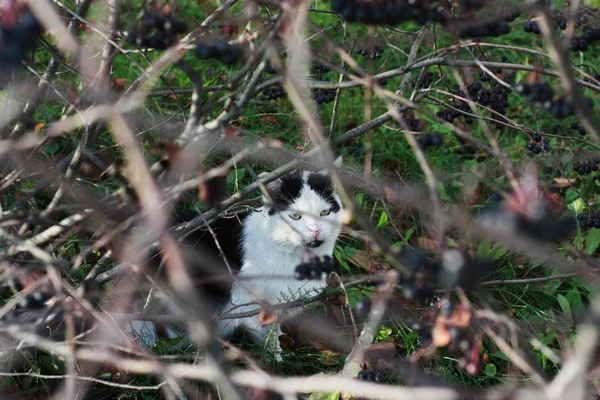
315 233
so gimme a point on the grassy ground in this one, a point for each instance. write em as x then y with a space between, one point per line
545 310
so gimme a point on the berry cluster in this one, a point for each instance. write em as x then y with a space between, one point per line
225 52
460 106
532 27
387 12
274 92
371 52
541 95
490 27
414 124
485 25
485 77
495 97
425 80
588 222
576 126
427 140
19 30
586 167
314 268
158 30
371 375
322 96
582 42
537 146
318 66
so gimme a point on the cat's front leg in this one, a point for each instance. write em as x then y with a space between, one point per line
268 335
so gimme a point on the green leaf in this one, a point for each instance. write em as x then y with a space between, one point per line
360 199
408 234
384 333
325 396
565 306
593 241
341 257
490 370
577 206
383 220
51 147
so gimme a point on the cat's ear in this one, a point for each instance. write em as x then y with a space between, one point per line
336 164
272 187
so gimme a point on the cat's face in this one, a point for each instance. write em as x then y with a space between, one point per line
306 212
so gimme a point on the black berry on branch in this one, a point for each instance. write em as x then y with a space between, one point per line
491 27
318 66
427 140
388 12
322 96
222 51
576 126
536 136
274 92
158 29
371 52
531 27
425 80
586 167
592 221
414 124
372 375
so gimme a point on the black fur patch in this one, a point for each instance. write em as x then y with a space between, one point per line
324 187
286 193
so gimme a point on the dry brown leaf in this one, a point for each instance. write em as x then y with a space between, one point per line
267 318
390 195
426 244
120 83
361 259
565 182
384 350
286 342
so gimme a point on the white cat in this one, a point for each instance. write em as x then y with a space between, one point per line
301 219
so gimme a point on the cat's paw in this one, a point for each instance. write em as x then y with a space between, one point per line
314 268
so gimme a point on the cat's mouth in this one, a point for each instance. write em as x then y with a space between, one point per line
315 243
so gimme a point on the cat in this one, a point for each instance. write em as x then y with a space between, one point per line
301 217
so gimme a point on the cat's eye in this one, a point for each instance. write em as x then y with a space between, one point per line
295 216
325 212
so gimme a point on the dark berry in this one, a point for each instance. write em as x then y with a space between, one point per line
363 375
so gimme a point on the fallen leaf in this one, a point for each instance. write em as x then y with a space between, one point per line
361 259
120 83
426 243
270 119
384 350
286 342
565 182
267 318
